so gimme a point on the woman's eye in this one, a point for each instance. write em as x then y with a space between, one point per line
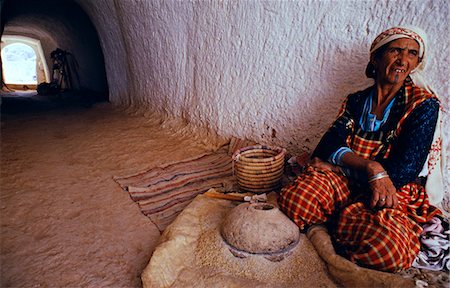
413 52
395 50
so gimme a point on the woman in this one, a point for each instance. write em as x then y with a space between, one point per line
363 179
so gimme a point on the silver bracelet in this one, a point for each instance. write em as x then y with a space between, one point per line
381 175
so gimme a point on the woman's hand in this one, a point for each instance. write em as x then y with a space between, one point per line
317 163
384 193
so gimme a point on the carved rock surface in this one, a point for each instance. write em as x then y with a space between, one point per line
259 228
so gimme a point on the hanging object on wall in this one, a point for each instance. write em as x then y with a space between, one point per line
62 73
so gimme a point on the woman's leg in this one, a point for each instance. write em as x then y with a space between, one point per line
314 196
386 239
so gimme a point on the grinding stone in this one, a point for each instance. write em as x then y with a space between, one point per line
259 228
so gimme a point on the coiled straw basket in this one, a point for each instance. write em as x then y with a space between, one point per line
259 168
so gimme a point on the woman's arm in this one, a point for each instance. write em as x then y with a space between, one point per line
383 190
336 135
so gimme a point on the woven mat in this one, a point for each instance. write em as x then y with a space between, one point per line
163 192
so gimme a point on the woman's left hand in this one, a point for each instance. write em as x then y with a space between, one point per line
384 194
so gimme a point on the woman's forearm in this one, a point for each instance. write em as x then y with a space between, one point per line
383 190
353 161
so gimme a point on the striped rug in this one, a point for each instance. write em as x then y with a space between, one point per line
163 192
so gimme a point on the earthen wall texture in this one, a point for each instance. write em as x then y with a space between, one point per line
272 71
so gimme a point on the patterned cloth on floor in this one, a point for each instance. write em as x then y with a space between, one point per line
434 254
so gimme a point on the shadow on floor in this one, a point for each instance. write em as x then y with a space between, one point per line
16 102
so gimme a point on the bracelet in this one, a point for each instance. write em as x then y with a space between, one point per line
378 176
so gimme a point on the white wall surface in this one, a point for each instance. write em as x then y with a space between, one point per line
272 71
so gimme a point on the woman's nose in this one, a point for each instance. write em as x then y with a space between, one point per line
401 57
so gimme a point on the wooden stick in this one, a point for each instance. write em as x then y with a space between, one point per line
213 194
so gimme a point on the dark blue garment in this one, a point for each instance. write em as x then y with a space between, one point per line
409 152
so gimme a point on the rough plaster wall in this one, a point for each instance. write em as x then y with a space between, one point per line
272 71
108 23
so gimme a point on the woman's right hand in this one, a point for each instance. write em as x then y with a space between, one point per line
318 163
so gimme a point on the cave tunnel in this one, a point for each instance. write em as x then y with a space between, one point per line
50 27
172 80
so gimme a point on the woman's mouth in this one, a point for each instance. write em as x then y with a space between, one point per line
400 70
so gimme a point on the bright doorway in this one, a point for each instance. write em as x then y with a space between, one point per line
23 62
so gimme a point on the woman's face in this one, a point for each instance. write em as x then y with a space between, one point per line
398 60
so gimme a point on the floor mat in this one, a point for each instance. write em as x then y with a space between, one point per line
163 192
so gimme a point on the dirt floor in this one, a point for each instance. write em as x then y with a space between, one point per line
64 221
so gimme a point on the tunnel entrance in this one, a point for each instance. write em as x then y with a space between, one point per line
23 62
32 31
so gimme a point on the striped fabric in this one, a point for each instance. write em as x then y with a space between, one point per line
163 192
385 239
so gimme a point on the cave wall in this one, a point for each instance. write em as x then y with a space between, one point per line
64 25
272 71
108 24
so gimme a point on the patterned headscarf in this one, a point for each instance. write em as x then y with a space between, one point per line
401 32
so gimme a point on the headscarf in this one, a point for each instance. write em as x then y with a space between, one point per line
401 32
435 163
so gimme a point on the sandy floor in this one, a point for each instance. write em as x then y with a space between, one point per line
64 221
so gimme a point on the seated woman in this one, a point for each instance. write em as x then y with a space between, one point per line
363 181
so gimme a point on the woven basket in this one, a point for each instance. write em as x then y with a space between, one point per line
259 168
